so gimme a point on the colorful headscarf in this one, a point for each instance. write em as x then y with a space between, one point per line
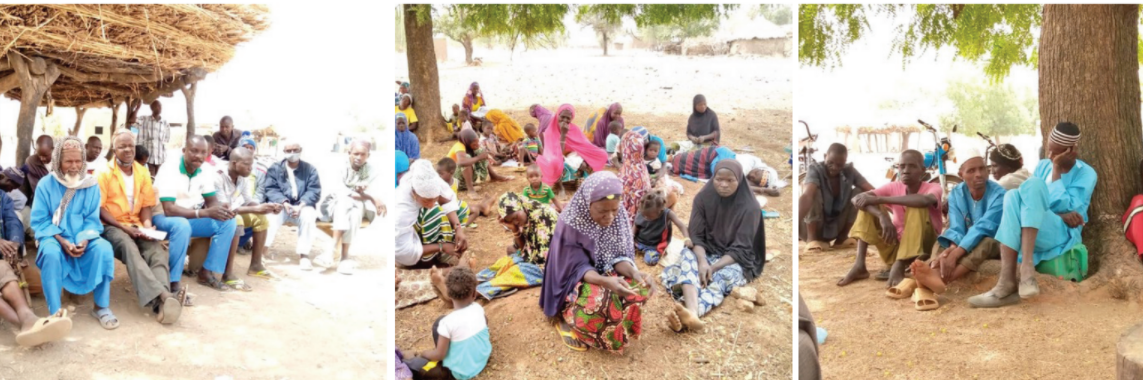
636 179
552 161
543 115
470 97
510 203
406 141
602 127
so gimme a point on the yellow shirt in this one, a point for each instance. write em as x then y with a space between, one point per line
412 115
113 195
456 147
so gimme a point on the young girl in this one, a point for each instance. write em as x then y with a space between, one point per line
653 227
472 162
462 342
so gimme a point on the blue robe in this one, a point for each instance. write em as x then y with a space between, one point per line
13 229
970 221
94 270
1037 204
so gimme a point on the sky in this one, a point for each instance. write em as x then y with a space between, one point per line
309 75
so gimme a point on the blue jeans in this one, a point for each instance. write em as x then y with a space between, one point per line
181 230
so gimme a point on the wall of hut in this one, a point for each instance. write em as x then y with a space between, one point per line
767 47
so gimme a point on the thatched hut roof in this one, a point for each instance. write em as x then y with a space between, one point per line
142 51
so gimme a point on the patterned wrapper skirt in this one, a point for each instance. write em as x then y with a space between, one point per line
602 319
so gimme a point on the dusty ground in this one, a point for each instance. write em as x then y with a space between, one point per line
738 344
308 325
1069 331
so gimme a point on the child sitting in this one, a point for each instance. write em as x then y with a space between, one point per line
445 169
453 123
538 191
461 337
653 227
532 147
651 157
617 131
464 121
499 150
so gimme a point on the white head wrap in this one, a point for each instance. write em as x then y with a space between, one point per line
426 182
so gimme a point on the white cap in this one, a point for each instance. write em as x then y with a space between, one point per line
968 154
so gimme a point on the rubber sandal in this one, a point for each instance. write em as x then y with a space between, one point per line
264 274
814 247
848 243
213 283
46 330
324 260
347 267
990 300
569 339
106 318
171 309
184 297
903 290
239 285
925 300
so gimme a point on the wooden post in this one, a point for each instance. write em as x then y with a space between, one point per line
114 122
133 105
1129 354
36 77
79 112
188 93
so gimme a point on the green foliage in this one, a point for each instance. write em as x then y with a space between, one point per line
527 21
995 109
400 32
998 35
603 21
452 26
678 14
664 33
779 14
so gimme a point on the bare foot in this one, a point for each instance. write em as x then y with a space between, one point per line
855 274
690 320
471 262
437 280
673 322
927 277
897 273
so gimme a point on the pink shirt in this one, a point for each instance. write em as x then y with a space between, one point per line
897 189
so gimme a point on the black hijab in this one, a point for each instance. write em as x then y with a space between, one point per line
701 123
732 225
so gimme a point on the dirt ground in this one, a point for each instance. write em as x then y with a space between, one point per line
308 325
738 344
1069 331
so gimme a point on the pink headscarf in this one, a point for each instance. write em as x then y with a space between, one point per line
552 161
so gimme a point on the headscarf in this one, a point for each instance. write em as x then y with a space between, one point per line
506 127
425 179
636 180
602 127
509 203
86 181
647 135
406 141
543 115
580 245
470 97
732 225
402 161
14 175
468 136
702 123
552 161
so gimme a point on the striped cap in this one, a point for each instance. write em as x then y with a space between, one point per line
1066 134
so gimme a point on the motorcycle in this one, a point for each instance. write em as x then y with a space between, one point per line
935 169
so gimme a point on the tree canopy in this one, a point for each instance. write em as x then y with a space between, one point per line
995 109
779 14
997 35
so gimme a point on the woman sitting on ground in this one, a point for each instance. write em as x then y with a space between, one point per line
532 224
592 291
505 127
598 125
702 126
473 101
429 231
568 155
406 141
472 162
729 248
406 108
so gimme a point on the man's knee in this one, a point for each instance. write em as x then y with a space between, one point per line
178 227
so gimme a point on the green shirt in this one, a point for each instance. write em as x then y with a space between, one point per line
545 195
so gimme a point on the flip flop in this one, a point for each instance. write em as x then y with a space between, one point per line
106 318
925 300
990 300
171 309
213 283
569 339
46 330
814 247
848 243
903 290
263 274
184 297
239 285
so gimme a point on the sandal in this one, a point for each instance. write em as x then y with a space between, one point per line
106 318
569 339
213 283
184 297
903 289
324 260
238 285
169 310
814 247
925 300
264 274
46 330
848 243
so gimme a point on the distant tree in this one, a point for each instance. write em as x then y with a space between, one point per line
779 14
604 27
452 26
515 24
400 30
995 109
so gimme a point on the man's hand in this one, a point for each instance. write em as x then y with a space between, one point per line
79 249
864 200
1064 160
1072 219
218 213
380 206
888 230
948 260
9 248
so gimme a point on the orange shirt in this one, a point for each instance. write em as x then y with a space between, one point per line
113 195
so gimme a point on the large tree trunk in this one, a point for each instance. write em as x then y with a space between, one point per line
467 43
1089 75
36 77
423 75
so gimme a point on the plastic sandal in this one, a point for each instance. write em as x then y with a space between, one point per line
239 285
902 290
106 318
569 339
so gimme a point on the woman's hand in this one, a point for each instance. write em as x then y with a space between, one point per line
618 285
704 273
645 280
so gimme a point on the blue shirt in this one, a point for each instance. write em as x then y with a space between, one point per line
971 220
612 143
1072 192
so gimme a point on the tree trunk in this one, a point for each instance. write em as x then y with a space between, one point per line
423 73
132 107
604 43
188 93
1089 75
79 112
36 77
114 125
467 43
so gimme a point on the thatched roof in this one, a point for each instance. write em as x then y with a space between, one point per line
105 51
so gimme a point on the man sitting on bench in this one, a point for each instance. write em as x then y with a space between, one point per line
346 205
295 185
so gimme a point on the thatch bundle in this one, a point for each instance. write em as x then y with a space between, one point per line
106 51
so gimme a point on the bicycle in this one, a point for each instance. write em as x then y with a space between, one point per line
806 154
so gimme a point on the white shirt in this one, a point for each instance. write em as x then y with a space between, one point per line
293 181
464 323
19 200
1014 179
129 188
407 209
174 184
98 164
235 193
750 162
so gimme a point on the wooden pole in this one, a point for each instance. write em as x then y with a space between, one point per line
188 93
36 77
79 112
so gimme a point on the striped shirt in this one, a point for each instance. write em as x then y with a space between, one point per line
154 135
